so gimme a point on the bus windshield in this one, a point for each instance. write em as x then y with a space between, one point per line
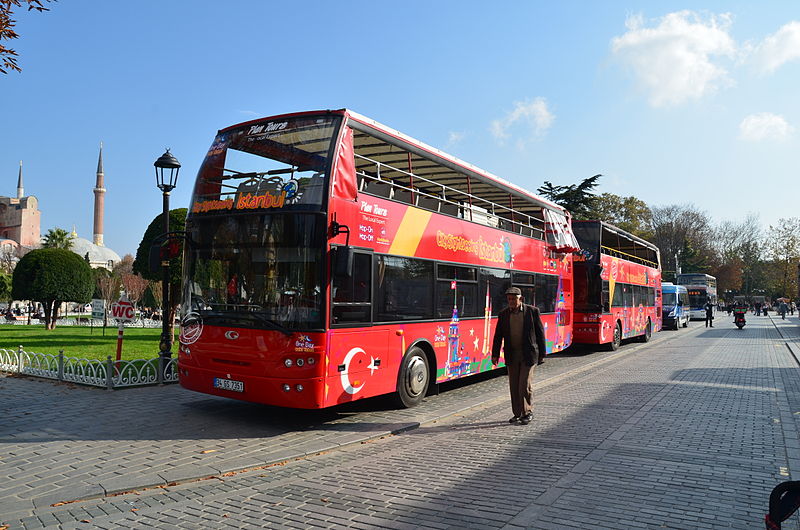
697 297
277 163
256 271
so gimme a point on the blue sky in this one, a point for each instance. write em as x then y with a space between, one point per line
673 103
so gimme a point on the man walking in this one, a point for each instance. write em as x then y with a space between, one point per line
709 307
519 329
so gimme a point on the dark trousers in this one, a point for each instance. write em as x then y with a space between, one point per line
709 321
520 383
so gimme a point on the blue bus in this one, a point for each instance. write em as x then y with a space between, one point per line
675 306
702 288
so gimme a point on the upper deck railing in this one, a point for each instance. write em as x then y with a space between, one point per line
416 190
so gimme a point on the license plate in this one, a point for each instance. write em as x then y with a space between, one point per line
229 384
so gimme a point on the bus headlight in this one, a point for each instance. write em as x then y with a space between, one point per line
288 363
300 362
286 388
299 388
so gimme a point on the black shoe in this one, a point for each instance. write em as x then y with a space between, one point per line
514 420
525 420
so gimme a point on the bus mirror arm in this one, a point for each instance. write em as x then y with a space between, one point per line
343 264
337 229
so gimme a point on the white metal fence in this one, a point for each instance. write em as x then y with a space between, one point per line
108 373
85 322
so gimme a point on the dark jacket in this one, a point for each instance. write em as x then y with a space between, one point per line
533 348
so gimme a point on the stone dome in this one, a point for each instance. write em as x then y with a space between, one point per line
98 256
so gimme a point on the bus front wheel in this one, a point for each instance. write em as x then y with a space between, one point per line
413 379
617 340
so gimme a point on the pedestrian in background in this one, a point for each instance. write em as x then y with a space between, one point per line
709 307
520 331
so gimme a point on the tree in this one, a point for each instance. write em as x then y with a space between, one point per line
672 226
52 276
628 213
8 56
8 258
124 266
692 260
109 287
578 199
5 286
782 248
177 223
135 287
57 238
98 273
738 248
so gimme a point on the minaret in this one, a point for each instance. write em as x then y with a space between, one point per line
99 200
20 189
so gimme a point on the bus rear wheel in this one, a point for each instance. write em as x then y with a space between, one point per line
617 340
413 379
648 332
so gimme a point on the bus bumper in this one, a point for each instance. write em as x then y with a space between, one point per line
282 392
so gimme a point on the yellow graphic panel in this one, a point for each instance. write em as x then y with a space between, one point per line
409 234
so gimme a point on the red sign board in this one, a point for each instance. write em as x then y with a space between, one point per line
123 310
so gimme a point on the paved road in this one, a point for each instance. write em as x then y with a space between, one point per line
690 431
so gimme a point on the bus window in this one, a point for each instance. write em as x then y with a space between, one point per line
403 289
498 281
546 292
352 296
464 296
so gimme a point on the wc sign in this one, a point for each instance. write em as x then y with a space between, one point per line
122 310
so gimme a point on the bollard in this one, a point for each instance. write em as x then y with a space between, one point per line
20 362
109 374
60 365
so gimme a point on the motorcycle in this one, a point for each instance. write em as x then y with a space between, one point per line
738 319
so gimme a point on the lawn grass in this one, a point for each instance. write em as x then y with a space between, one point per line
84 342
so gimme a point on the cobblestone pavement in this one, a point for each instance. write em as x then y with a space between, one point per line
690 431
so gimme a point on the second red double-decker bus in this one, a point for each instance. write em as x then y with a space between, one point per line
617 285
332 258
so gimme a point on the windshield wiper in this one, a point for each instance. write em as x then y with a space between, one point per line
226 317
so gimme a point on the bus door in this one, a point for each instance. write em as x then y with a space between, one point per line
357 352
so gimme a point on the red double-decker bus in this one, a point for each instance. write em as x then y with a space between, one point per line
617 285
331 258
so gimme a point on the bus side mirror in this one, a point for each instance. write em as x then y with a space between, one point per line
343 262
154 258
680 302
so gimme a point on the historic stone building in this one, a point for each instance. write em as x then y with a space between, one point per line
20 224
20 218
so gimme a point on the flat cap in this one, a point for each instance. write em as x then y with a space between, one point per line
514 290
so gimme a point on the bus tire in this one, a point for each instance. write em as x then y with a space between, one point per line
617 340
413 379
648 332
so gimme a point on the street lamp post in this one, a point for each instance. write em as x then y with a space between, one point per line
167 167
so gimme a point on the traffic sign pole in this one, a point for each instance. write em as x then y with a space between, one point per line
119 341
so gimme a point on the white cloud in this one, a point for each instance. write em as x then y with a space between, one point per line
529 120
454 138
779 48
764 126
677 59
